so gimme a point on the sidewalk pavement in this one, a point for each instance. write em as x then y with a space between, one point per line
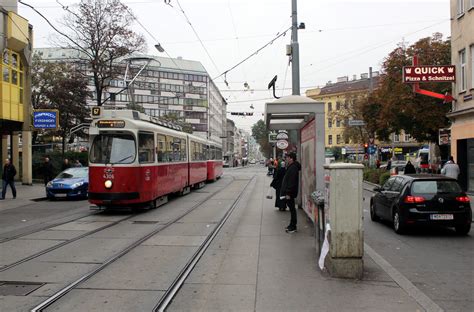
24 195
253 265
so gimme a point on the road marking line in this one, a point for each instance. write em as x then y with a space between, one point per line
414 292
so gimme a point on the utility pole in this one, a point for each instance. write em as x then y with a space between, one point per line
295 51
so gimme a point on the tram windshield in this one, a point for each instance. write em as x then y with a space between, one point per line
113 148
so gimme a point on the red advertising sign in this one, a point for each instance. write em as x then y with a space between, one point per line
415 74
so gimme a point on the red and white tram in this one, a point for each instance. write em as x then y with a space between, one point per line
215 163
136 161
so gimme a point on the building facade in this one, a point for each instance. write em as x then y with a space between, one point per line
15 90
337 99
462 114
166 86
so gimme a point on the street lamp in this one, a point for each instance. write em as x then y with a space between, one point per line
159 48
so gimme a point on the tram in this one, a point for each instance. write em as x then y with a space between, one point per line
215 164
137 161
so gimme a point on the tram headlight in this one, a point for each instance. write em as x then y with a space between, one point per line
108 184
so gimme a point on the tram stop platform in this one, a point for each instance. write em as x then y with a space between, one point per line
254 265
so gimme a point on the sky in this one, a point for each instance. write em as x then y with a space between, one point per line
342 38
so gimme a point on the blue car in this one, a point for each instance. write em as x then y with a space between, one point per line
71 183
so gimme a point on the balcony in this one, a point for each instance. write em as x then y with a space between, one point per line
17 32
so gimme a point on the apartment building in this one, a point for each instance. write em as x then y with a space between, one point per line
462 114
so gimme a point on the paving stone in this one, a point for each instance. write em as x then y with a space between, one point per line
18 249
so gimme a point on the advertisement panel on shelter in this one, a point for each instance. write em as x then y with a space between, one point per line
308 169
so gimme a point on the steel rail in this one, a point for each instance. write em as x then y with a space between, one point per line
45 251
62 292
167 298
7 239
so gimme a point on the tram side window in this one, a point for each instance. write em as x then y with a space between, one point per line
161 148
183 150
218 153
197 151
174 152
146 147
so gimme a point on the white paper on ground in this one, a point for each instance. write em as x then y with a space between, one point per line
325 248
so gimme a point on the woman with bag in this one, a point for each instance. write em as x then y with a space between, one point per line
276 184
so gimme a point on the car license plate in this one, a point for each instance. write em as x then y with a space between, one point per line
60 195
441 217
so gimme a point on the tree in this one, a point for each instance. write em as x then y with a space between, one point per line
59 86
174 119
394 106
260 133
101 31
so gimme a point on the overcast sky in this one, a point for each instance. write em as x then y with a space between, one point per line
342 37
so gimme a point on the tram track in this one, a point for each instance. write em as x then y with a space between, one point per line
43 228
62 292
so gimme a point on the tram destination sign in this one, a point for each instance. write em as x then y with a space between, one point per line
415 74
111 124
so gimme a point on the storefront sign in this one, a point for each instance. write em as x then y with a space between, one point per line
282 144
414 74
282 136
45 119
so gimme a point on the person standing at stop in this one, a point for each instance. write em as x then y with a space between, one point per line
289 188
8 176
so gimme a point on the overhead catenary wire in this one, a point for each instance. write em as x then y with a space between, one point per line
254 53
197 35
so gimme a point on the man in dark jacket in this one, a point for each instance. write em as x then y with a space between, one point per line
8 175
276 184
289 188
409 168
47 171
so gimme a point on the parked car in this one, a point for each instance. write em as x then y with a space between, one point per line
397 167
71 183
410 200
252 162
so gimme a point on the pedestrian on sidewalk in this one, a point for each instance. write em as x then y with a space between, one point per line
47 170
8 176
66 164
409 168
451 169
276 184
289 188
77 164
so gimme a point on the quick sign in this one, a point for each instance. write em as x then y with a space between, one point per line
414 74
45 119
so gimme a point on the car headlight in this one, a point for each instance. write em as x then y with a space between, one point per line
77 184
108 184
50 184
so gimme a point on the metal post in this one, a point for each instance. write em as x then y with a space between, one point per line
295 53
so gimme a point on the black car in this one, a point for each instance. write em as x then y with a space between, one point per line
422 199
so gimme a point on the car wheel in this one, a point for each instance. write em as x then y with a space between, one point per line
463 229
373 215
398 223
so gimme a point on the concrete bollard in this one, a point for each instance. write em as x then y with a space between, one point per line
344 213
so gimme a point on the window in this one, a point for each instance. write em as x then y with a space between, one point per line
462 71
329 107
397 185
407 137
460 7
146 148
330 139
329 123
338 139
472 57
472 4
338 122
396 138
161 147
338 105
113 149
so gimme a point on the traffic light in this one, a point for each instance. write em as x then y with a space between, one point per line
366 146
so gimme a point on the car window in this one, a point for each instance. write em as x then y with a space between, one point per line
388 184
72 173
434 187
397 185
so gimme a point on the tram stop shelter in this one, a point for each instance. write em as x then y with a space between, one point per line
306 116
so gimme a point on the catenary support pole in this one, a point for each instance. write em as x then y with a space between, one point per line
295 53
